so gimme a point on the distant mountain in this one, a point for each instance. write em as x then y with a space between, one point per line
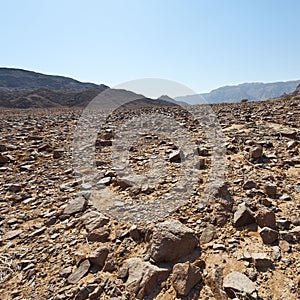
19 79
26 89
169 99
250 91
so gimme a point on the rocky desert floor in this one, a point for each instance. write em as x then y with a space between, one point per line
240 240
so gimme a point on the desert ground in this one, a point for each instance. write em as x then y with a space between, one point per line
239 239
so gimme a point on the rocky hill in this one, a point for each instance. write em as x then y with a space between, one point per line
250 91
19 79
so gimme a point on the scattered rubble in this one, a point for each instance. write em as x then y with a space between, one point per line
241 240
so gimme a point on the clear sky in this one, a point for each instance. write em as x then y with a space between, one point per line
203 44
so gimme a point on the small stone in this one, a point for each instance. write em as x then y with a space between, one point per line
243 215
143 277
15 188
250 184
266 218
268 235
261 260
3 159
215 281
283 224
58 153
219 247
184 277
12 234
284 246
296 233
176 156
270 189
285 197
256 152
65 272
93 220
76 205
208 234
98 235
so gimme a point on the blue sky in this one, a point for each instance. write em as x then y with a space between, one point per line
203 44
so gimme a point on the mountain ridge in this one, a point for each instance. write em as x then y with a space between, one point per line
21 79
249 90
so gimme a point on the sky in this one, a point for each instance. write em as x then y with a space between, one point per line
202 44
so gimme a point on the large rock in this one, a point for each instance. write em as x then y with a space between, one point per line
243 215
171 240
237 282
268 235
143 277
184 277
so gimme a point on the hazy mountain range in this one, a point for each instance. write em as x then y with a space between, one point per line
26 89
250 91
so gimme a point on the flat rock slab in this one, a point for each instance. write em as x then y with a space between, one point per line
76 205
80 272
241 283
